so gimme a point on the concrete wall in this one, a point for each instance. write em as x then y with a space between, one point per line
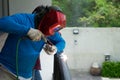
90 45
18 6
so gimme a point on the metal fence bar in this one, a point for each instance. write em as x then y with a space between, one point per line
61 69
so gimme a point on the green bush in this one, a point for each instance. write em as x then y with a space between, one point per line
111 69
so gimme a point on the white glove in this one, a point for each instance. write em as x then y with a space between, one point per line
34 34
50 49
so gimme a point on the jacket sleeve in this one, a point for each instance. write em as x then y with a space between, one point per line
58 41
11 24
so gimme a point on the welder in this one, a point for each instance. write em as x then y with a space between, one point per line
28 34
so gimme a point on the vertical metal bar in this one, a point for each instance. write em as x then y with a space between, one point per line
8 11
5 7
2 7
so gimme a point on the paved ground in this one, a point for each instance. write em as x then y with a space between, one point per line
76 75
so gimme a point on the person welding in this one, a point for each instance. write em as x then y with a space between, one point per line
28 34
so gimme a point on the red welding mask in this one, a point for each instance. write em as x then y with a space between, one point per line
52 22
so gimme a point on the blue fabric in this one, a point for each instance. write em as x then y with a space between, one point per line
28 51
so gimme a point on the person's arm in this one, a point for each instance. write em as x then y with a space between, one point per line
13 24
58 41
20 24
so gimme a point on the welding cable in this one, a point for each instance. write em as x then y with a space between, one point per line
17 48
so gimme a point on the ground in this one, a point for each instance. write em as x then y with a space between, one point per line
77 75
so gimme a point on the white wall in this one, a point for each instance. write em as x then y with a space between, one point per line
91 46
47 66
18 6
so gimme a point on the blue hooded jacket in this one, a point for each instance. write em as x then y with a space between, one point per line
28 51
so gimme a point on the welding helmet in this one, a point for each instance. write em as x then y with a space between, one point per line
52 21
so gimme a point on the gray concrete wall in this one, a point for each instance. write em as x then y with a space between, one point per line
18 6
91 45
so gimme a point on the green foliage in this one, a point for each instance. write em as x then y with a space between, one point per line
111 69
105 14
74 9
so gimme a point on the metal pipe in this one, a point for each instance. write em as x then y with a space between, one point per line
8 10
2 7
5 7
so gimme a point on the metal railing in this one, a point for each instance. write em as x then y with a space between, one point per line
61 69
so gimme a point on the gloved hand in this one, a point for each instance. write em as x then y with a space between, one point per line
34 34
50 49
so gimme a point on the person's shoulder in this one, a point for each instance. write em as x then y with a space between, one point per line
58 33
